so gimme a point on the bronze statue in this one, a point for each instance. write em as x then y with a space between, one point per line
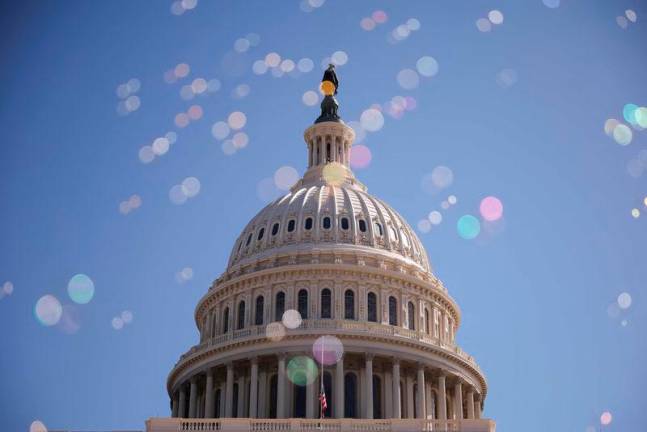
329 104
330 75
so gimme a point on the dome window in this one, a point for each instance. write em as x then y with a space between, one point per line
326 302
249 239
362 225
308 224
291 224
261 232
378 228
344 224
275 229
326 223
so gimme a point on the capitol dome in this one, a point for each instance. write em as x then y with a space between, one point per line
329 291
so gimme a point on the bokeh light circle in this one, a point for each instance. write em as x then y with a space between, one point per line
629 113
146 154
310 98
275 331
48 310
413 24
551 3
408 79
491 208
327 350
624 300
334 174
360 156
177 195
160 146
327 88
285 177
272 60
127 316
606 418
427 66
622 134
240 140
259 67
302 370
610 125
424 225
70 322
452 199
117 323
442 177
80 288
483 24
379 16
372 120
237 120
495 16
190 186
37 426
291 319
468 227
339 58
641 117
305 65
220 130
435 217
631 15
367 24
7 288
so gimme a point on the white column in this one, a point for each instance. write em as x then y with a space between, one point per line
280 387
479 407
182 404
229 392
208 396
310 399
458 400
368 382
253 389
221 406
193 394
388 395
408 380
470 403
241 396
262 394
420 408
339 389
442 399
397 409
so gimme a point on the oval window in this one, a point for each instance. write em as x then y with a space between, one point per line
362 225
326 222
261 232
275 229
308 224
291 225
249 239
344 224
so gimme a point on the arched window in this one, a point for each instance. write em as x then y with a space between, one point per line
326 311
411 311
326 223
261 232
344 224
349 304
280 306
362 225
249 239
378 228
241 315
302 300
350 395
377 397
371 302
393 311
427 321
291 224
308 224
260 306
225 320
275 229
328 152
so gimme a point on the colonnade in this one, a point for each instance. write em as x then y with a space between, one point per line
259 388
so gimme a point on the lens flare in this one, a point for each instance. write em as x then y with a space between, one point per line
302 370
327 350
424 226
468 227
606 418
291 319
80 289
435 217
372 120
491 208
310 98
237 120
285 177
48 310
427 66
275 331
327 88
334 174
624 300
622 134
360 156
408 79
495 17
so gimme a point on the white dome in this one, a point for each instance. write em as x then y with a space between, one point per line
325 216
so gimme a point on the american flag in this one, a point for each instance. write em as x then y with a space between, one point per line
322 399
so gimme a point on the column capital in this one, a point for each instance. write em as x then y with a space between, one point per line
396 361
254 360
370 356
282 356
420 365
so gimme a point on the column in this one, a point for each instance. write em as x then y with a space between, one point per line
478 411
388 395
368 382
339 389
229 391
280 388
253 389
397 409
442 399
193 394
310 399
241 396
174 405
458 400
208 396
182 403
221 406
262 392
470 403
408 381
420 408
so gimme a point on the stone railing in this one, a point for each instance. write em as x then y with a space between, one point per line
316 425
330 326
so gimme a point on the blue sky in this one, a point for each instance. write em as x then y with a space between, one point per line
537 294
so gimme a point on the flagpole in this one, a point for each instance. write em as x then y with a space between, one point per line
323 387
